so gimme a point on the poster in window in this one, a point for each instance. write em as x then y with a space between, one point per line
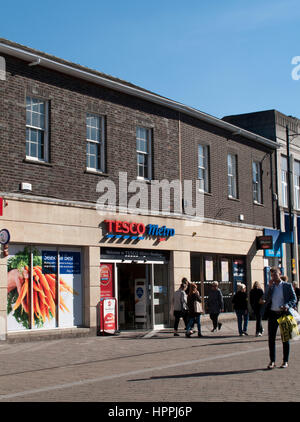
32 297
18 288
70 286
209 269
225 270
106 280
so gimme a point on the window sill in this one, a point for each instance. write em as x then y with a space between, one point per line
96 172
231 198
141 179
41 163
258 203
205 193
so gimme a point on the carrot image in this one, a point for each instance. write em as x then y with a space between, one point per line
51 283
42 278
45 290
62 304
23 292
68 288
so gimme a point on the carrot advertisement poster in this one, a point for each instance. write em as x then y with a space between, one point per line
36 296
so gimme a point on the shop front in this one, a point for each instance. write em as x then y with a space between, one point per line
139 281
228 270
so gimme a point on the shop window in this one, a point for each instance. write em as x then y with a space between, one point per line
44 288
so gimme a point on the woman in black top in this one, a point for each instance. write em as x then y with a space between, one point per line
240 304
257 303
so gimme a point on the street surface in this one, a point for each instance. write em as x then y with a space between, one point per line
149 367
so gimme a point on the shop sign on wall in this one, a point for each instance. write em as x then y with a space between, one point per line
136 231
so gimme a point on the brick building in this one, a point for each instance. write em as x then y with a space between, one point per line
273 125
72 137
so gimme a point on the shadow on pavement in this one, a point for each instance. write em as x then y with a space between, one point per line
201 374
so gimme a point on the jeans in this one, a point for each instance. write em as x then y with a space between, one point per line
242 320
191 323
272 330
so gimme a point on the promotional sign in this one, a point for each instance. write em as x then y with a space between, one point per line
238 272
140 300
108 322
38 296
106 280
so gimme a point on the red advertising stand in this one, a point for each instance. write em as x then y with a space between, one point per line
108 315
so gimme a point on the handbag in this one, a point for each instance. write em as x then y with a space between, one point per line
261 301
198 309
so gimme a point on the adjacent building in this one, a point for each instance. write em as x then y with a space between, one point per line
112 191
281 128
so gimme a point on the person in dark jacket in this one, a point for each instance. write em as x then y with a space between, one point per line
297 293
215 305
280 298
240 305
194 317
257 302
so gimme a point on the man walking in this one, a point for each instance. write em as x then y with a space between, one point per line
280 297
180 307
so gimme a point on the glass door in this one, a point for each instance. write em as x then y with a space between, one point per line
160 295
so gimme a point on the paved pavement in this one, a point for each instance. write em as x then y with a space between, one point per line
149 367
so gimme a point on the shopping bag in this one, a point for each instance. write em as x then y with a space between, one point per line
198 309
296 317
288 327
295 314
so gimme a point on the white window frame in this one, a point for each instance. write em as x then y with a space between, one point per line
44 131
257 182
284 181
100 144
147 153
297 184
232 176
203 167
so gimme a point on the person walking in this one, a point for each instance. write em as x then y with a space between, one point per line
280 297
297 293
240 305
215 305
257 302
180 307
194 316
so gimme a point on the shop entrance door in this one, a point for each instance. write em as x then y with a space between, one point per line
133 294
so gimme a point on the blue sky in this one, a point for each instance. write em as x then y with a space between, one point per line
221 57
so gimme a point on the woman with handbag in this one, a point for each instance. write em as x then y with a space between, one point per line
257 302
194 309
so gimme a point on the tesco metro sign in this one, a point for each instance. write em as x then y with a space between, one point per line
126 230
